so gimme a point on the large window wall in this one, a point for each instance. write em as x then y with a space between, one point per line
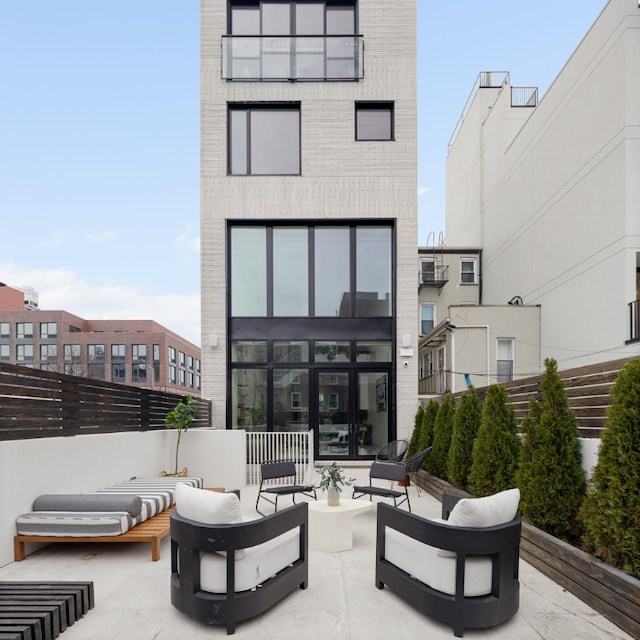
311 331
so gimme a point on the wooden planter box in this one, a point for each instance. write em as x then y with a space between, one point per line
612 593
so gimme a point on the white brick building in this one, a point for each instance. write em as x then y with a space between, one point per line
309 218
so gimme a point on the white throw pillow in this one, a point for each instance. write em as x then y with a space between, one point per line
489 511
207 507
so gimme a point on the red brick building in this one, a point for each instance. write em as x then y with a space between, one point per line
142 353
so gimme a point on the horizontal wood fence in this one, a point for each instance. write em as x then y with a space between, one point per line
39 404
587 388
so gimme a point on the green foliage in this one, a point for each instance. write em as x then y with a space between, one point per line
442 429
496 449
180 417
611 511
465 428
332 475
416 434
550 477
428 422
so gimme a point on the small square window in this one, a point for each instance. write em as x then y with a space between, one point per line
374 121
468 272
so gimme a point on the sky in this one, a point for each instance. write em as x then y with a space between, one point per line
99 137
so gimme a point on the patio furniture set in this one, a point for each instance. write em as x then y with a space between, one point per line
461 569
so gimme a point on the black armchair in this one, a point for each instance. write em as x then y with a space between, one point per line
276 470
196 554
466 577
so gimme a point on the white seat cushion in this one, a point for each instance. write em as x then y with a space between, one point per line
424 563
257 565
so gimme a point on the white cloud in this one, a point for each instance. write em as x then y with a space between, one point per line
188 242
423 190
101 236
56 239
67 290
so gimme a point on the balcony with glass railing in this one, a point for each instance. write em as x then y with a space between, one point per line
292 58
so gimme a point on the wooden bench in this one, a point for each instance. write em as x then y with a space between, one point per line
153 530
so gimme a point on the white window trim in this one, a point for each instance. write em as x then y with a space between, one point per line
475 270
435 316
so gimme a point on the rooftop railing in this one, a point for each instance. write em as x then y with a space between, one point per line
289 58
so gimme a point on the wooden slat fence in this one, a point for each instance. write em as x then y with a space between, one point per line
36 404
587 388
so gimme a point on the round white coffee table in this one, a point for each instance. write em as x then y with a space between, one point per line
330 527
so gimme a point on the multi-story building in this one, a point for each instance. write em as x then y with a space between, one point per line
309 218
463 341
550 191
141 353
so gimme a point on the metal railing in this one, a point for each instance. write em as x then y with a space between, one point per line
274 58
280 445
524 96
634 321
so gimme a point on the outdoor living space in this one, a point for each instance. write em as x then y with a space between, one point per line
132 593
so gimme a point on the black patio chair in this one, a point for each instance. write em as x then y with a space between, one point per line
279 470
393 451
394 471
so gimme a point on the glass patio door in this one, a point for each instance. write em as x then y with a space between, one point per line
352 415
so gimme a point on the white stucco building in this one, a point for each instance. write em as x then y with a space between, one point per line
551 193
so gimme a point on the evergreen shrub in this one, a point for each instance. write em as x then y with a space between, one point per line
611 511
496 448
465 428
436 463
416 434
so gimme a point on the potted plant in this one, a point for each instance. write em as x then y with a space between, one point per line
333 480
180 417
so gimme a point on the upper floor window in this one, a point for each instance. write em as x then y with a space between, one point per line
95 352
5 351
48 330
318 271
139 352
172 355
320 43
118 352
374 120
5 329
468 271
24 330
24 352
264 140
427 318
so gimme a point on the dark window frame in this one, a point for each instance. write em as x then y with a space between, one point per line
248 108
379 105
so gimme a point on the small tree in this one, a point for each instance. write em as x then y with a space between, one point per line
611 511
437 461
416 434
180 417
550 477
465 428
428 421
496 449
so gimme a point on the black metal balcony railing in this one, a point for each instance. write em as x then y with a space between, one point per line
275 58
437 276
634 321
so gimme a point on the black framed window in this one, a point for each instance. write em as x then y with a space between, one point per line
374 121
264 139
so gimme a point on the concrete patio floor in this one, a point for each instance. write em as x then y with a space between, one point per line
133 600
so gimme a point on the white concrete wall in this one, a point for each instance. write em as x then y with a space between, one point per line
79 464
553 199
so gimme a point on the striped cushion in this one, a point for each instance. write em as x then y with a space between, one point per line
74 523
156 494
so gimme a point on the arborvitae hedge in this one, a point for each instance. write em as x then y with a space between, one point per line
611 511
465 428
496 449
436 463
550 477
428 422
416 434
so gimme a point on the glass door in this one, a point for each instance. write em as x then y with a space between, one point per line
353 413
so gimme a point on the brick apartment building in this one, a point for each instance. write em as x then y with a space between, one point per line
141 353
